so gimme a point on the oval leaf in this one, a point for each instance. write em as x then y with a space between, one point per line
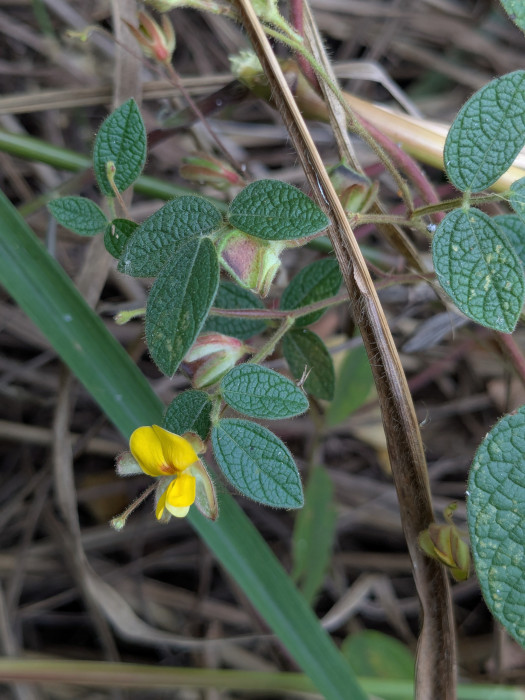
179 302
516 11
496 521
319 280
231 296
306 352
487 134
189 412
276 211
262 393
78 214
122 140
157 238
117 234
257 463
479 269
514 228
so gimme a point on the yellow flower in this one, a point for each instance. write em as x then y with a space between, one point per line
160 453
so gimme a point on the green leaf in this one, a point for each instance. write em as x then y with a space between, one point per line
117 234
157 238
376 655
314 532
78 214
189 412
496 521
260 392
514 228
121 140
276 211
179 302
478 268
487 134
231 296
305 351
257 463
517 197
40 286
352 388
319 280
516 11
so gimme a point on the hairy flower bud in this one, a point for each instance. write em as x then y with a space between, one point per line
251 261
208 170
211 356
156 42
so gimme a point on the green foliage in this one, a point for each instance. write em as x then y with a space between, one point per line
305 351
276 211
487 134
78 214
313 535
319 280
516 11
354 383
257 463
496 521
231 296
260 392
120 140
117 234
376 655
513 227
517 197
479 269
156 239
189 412
179 302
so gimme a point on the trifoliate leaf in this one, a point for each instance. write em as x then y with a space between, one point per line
157 238
179 302
319 280
260 392
257 463
79 215
478 268
487 134
496 521
305 352
120 140
276 211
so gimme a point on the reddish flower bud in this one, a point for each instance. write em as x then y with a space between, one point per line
208 170
155 42
211 356
251 261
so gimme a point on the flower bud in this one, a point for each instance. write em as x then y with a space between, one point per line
443 542
208 170
211 356
156 42
251 261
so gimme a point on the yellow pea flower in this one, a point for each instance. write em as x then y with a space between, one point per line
182 478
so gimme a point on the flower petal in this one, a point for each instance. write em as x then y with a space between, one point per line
161 505
178 453
147 450
180 494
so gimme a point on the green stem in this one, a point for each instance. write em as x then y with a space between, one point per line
450 204
268 314
269 347
361 219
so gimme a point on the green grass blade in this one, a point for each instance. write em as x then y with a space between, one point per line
42 289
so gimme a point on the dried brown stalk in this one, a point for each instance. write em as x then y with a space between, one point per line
435 673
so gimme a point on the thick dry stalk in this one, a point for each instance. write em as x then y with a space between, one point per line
435 674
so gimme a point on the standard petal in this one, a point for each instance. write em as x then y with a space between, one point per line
147 449
180 494
178 453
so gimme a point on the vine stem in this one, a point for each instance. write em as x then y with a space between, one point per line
269 347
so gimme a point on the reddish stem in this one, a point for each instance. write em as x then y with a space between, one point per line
296 19
511 350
